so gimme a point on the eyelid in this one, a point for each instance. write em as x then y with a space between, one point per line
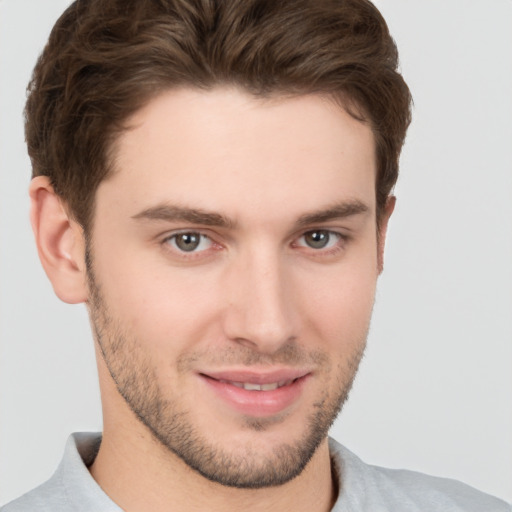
180 231
341 239
342 232
321 230
164 241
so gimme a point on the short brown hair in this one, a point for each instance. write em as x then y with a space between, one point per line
106 58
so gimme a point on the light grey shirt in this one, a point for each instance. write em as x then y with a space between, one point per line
363 488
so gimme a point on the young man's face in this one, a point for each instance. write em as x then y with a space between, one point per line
233 263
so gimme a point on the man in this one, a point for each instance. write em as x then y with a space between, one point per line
214 181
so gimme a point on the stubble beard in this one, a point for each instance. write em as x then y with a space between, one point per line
170 424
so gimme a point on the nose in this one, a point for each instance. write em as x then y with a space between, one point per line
259 303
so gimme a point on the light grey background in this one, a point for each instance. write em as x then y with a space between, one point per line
435 389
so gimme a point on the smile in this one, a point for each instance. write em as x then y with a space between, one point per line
255 394
250 386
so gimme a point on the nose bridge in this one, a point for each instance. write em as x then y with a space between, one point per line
259 311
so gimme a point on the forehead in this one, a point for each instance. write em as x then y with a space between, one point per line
227 150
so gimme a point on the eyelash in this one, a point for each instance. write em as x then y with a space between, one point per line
338 246
170 242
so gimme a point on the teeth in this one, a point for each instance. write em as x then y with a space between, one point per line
260 387
269 387
250 386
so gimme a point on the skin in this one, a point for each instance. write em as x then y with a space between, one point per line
256 295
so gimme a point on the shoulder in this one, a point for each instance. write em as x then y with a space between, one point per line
71 487
376 489
47 497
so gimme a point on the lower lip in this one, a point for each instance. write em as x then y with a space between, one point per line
257 403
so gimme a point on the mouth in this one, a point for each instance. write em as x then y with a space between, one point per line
251 386
256 394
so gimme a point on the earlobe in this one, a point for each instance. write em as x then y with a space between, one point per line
383 228
60 242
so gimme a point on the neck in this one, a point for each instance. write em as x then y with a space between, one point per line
141 475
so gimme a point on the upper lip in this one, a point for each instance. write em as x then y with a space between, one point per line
255 376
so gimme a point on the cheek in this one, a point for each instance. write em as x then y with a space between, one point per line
165 309
343 313
339 305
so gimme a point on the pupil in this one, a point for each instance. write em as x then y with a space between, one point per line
317 239
188 241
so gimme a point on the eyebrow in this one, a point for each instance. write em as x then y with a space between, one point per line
172 213
337 211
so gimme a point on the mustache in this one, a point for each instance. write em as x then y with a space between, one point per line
290 354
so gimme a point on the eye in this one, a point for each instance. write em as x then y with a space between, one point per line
319 239
189 241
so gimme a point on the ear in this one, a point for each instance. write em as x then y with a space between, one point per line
383 228
60 242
